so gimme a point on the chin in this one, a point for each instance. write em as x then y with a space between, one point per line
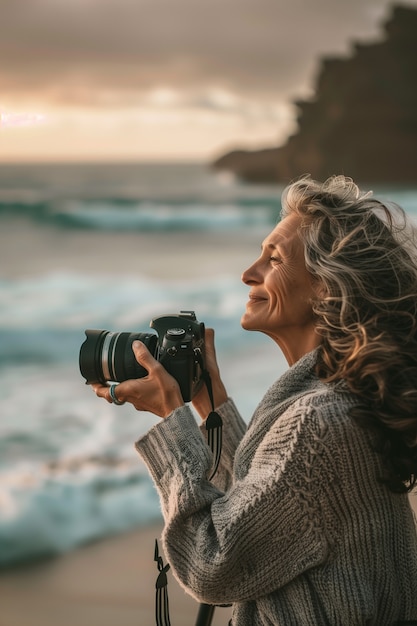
243 323
246 324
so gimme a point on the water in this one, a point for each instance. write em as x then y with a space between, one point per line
100 246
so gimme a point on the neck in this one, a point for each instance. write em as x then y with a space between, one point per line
295 345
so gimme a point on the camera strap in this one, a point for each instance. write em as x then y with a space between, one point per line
214 427
161 601
214 423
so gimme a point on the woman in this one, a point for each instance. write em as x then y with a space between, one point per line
307 520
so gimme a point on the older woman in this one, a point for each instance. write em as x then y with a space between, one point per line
307 520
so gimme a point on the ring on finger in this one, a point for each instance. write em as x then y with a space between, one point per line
113 395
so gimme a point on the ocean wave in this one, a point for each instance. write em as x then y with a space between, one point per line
49 509
153 215
118 215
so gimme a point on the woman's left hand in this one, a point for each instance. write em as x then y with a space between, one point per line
158 392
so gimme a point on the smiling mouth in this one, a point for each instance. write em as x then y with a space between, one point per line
255 299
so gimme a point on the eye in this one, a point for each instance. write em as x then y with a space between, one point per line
275 259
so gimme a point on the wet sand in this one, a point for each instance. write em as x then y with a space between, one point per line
109 583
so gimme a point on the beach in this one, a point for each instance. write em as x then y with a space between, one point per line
107 583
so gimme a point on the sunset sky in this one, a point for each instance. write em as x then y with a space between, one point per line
164 79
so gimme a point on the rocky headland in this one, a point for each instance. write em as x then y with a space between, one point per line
362 121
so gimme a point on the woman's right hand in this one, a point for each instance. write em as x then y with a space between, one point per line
201 400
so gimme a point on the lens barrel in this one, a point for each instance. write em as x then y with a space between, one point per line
108 356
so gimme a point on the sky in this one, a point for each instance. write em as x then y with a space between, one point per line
147 80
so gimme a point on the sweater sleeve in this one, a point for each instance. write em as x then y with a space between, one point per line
254 538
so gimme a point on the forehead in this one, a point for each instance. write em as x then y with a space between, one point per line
285 235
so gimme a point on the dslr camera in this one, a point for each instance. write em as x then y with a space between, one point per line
178 345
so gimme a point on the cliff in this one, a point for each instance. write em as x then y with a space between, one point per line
362 121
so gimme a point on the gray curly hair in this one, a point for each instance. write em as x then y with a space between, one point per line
362 253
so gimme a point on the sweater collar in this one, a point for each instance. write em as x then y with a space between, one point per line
297 380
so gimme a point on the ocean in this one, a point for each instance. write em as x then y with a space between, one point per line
110 247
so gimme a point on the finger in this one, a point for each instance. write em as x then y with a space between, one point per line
102 391
209 343
209 336
97 387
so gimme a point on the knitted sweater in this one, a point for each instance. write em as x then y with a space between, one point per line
295 529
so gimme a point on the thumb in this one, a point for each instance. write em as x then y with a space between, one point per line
142 354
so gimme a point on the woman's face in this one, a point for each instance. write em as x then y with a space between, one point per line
281 289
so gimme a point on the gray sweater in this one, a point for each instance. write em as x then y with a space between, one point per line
295 529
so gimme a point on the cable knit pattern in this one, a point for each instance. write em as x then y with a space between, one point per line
295 529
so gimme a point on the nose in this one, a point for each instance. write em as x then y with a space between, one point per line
251 276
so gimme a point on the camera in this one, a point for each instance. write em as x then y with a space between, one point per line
178 345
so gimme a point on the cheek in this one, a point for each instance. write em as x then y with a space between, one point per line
279 293
281 284
288 290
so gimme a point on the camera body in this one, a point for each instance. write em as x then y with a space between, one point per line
181 349
178 345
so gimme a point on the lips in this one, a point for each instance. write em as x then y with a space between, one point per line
254 298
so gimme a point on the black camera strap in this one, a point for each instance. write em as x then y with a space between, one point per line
214 423
214 427
161 602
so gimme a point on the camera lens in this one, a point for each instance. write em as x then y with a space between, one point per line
106 356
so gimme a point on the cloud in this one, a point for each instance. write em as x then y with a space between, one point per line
99 53
165 79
